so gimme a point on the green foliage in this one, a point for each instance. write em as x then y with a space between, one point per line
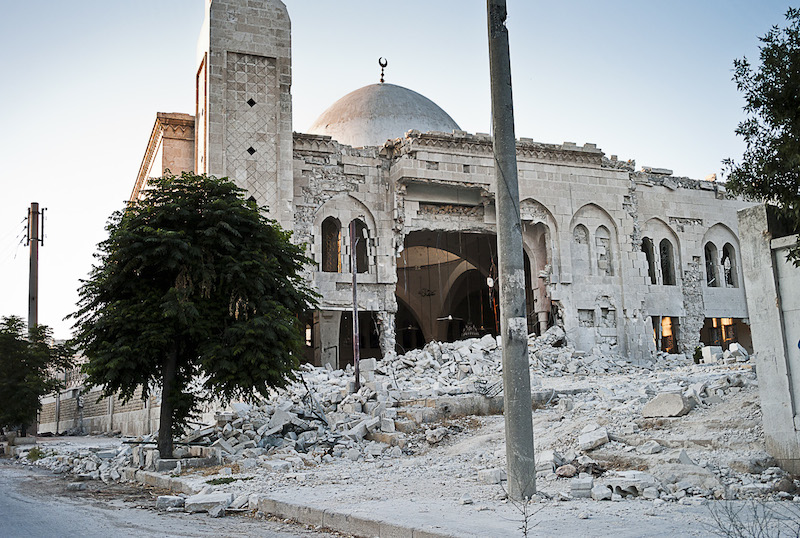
196 292
770 167
36 453
25 363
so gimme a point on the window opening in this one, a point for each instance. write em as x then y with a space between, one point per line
331 245
667 263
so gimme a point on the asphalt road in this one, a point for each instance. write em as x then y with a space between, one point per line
35 503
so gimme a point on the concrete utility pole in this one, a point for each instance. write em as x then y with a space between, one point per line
520 462
34 237
356 338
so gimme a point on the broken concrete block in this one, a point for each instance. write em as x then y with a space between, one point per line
738 351
631 482
711 354
666 405
650 493
387 425
367 365
683 457
224 445
488 342
203 502
367 376
581 486
168 501
357 432
435 436
197 434
548 460
281 418
601 493
593 439
491 476
372 424
216 511
566 471
650 447
277 465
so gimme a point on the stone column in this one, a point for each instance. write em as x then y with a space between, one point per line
692 323
388 341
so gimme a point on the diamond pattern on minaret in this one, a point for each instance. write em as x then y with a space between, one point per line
251 145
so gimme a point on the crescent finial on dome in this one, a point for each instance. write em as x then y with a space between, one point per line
383 62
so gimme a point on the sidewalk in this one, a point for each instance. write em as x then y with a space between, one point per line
395 514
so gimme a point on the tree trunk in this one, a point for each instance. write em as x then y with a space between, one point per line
167 403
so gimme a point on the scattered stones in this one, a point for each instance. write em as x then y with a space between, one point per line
650 447
581 486
667 405
435 436
169 501
601 493
593 439
491 476
203 502
566 471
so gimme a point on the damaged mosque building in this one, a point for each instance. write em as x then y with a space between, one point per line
626 261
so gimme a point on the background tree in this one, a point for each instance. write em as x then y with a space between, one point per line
770 167
27 364
193 284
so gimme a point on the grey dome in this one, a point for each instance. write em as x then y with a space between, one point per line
376 113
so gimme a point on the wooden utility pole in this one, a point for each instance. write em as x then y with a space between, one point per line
34 238
520 462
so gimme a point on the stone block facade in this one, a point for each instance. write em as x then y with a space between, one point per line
628 261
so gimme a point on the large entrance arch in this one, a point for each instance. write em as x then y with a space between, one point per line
447 291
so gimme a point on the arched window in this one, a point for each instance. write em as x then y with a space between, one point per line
331 245
602 239
649 252
712 278
729 266
667 262
362 236
581 264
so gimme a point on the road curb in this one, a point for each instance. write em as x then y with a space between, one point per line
338 520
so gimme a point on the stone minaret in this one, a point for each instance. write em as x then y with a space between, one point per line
244 101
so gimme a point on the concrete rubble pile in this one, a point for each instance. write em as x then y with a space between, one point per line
607 429
86 463
321 418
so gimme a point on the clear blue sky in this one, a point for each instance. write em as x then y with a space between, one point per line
83 80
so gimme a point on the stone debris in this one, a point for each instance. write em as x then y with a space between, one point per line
163 502
659 417
601 492
593 438
581 486
667 405
205 502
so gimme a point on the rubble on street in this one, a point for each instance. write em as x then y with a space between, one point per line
605 429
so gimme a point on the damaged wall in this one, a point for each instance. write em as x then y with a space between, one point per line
774 305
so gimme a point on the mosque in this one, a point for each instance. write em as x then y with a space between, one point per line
386 185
